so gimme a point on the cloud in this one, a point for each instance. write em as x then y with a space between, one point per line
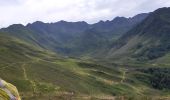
7 2
25 11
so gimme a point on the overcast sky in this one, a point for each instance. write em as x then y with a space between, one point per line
91 11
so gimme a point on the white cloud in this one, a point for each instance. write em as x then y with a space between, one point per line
25 11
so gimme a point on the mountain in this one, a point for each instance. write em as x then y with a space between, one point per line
73 38
118 25
148 40
54 61
95 41
62 31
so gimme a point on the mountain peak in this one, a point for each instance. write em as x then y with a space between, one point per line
162 9
16 25
36 23
119 19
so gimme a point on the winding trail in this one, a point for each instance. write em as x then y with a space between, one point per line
26 77
123 77
24 71
23 67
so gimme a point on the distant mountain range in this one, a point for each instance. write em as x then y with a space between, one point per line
74 38
143 37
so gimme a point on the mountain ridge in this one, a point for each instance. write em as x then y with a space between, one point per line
148 39
68 38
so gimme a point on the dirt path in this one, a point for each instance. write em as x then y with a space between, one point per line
26 77
123 76
24 71
33 86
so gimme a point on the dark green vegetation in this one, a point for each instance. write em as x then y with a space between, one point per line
160 77
126 58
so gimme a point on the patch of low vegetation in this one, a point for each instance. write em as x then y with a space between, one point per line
159 78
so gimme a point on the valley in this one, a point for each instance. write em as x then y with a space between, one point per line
122 59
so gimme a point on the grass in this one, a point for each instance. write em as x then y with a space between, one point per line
71 77
40 74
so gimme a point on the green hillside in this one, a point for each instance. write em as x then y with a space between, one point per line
39 74
35 58
147 41
73 38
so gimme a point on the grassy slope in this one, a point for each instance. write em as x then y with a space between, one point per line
40 74
163 61
147 41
